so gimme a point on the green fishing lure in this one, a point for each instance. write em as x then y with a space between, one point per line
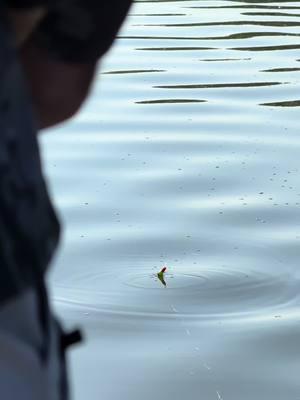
160 276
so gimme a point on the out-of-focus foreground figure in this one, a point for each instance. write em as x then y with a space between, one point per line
48 53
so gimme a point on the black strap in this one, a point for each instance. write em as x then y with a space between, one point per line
70 338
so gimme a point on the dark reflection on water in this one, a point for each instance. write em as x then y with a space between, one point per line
225 59
243 35
158 15
294 103
170 101
280 70
229 23
248 6
133 71
187 48
268 48
271 14
221 85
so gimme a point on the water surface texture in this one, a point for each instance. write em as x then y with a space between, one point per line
187 155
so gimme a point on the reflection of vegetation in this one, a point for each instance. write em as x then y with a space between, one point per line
280 70
233 1
268 48
133 71
271 14
225 59
256 6
168 101
158 15
159 1
238 36
175 48
292 103
265 1
230 23
221 85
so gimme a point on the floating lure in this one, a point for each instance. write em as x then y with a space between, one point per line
160 276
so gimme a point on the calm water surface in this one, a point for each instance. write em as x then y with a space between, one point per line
186 155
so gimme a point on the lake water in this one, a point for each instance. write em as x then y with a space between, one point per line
187 154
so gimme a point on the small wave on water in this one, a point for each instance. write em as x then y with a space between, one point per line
213 292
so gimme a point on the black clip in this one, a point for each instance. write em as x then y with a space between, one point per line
70 338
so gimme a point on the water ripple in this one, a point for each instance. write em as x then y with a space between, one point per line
195 293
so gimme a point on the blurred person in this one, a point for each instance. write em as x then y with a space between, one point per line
49 50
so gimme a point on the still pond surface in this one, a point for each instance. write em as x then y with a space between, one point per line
187 155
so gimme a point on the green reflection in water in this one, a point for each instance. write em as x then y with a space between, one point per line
268 48
292 103
221 85
225 59
229 23
255 6
238 36
280 70
170 101
175 48
133 71
270 14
